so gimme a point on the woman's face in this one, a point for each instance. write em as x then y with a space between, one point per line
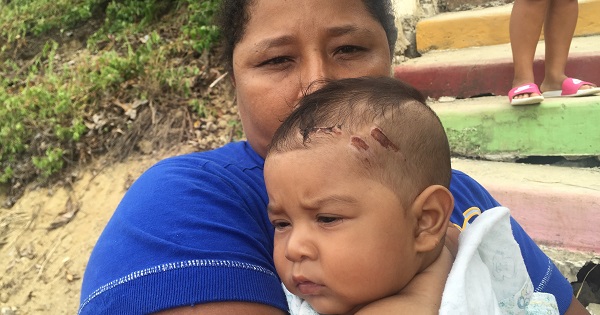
287 45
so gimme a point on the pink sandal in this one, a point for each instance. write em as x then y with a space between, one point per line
571 88
528 88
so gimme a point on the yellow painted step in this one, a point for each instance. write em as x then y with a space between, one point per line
483 27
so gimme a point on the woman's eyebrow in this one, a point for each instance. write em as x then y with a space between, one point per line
288 39
274 42
347 29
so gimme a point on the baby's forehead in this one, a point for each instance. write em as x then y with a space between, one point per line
364 142
368 145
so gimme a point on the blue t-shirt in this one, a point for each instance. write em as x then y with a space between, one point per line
197 225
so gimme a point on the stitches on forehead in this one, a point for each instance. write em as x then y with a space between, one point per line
309 131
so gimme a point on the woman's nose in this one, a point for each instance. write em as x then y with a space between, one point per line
316 71
299 247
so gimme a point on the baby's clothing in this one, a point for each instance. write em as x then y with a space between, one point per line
488 275
297 305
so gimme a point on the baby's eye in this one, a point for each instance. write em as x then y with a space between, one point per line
280 224
328 219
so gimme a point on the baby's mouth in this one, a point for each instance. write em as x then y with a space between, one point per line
307 287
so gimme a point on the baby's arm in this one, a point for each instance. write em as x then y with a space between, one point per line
423 295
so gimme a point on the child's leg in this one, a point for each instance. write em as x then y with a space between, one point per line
526 22
559 27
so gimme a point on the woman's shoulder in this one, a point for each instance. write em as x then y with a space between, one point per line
233 167
238 154
464 183
469 194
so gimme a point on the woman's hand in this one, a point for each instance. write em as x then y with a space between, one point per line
423 295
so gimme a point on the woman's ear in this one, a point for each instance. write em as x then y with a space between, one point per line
232 78
432 208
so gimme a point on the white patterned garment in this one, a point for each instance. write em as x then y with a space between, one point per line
489 276
297 305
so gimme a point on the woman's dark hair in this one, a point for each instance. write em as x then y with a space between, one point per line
233 16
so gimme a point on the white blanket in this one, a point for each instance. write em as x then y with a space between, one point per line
488 275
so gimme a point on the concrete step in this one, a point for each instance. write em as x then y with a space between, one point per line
571 262
488 70
557 206
489 26
490 128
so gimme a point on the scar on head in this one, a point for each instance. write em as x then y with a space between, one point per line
336 130
359 143
378 135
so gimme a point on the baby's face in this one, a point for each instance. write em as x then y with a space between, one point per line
342 239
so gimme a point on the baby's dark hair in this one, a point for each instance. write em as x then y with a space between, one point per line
233 16
412 150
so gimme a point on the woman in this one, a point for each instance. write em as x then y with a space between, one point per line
193 231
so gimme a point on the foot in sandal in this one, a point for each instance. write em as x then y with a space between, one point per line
525 94
573 88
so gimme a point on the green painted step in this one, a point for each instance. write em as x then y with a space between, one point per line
489 127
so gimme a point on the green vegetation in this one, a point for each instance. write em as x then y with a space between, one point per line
55 100
22 18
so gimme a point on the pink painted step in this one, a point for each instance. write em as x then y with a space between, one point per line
554 218
557 206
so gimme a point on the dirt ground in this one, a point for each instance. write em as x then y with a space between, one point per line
48 235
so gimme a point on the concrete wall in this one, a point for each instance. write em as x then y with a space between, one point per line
408 13
427 8
405 7
423 8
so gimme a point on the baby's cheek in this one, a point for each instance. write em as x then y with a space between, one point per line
279 258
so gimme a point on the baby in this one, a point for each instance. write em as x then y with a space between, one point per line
358 179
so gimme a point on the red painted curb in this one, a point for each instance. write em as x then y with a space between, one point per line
492 77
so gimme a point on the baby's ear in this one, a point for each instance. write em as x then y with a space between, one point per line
433 208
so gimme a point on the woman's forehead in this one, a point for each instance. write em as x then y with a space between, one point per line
281 15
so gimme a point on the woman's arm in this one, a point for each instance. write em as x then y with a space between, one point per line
576 308
225 308
191 230
423 295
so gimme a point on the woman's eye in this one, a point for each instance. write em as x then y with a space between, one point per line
275 61
349 49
